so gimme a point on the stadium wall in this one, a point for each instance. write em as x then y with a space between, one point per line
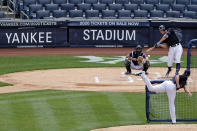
89 33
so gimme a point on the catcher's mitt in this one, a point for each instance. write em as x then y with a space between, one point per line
140 60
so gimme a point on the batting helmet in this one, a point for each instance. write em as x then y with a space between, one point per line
162 27
186 73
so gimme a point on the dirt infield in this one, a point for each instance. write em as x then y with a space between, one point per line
158 127
85 79
79 51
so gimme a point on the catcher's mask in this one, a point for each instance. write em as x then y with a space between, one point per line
186 73
162 27
138 49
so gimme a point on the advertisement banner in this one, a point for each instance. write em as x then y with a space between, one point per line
33 37
108 37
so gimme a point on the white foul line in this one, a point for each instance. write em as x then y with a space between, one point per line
96 79
130 79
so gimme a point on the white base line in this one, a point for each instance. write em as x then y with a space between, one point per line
122 74
130 79
96 79
158 75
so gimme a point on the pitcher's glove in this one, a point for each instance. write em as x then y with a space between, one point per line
182 84
140 60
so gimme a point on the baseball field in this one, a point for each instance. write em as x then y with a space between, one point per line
79 91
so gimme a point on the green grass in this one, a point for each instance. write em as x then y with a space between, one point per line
52 110
24 63
4 84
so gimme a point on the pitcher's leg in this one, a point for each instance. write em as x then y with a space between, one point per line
171 92
157 88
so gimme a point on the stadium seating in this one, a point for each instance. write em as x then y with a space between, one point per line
59 2
122 2
42 14
178 7
59 13
131 7
173 14
184 2
92 14
75 2
140 14
26 4
156 14
192 8
51 7
67 7
189 14
99 7
84 6
163 7
169 2
122 14
194 2
147 7
108 14
154 2
91 1
106 1
113 8
75 13
137 1
33 8
44 2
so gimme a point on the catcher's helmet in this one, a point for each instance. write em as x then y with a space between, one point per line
186 73
162 27
138 47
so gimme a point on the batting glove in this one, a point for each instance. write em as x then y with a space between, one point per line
157 44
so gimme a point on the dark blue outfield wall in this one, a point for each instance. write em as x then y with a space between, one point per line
89 33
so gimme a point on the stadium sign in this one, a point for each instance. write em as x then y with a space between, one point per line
29 37
32 23
109 23
33 37
95 34
107 37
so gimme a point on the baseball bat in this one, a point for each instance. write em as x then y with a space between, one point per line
150 49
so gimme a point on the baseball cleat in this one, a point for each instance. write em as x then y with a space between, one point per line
127 73
139 73
167 73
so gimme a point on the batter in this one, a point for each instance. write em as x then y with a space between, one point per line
171 41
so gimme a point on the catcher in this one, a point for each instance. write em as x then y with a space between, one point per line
136 60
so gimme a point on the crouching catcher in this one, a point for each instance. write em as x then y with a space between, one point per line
136 60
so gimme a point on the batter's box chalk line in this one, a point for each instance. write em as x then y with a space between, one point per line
130 79
96 79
